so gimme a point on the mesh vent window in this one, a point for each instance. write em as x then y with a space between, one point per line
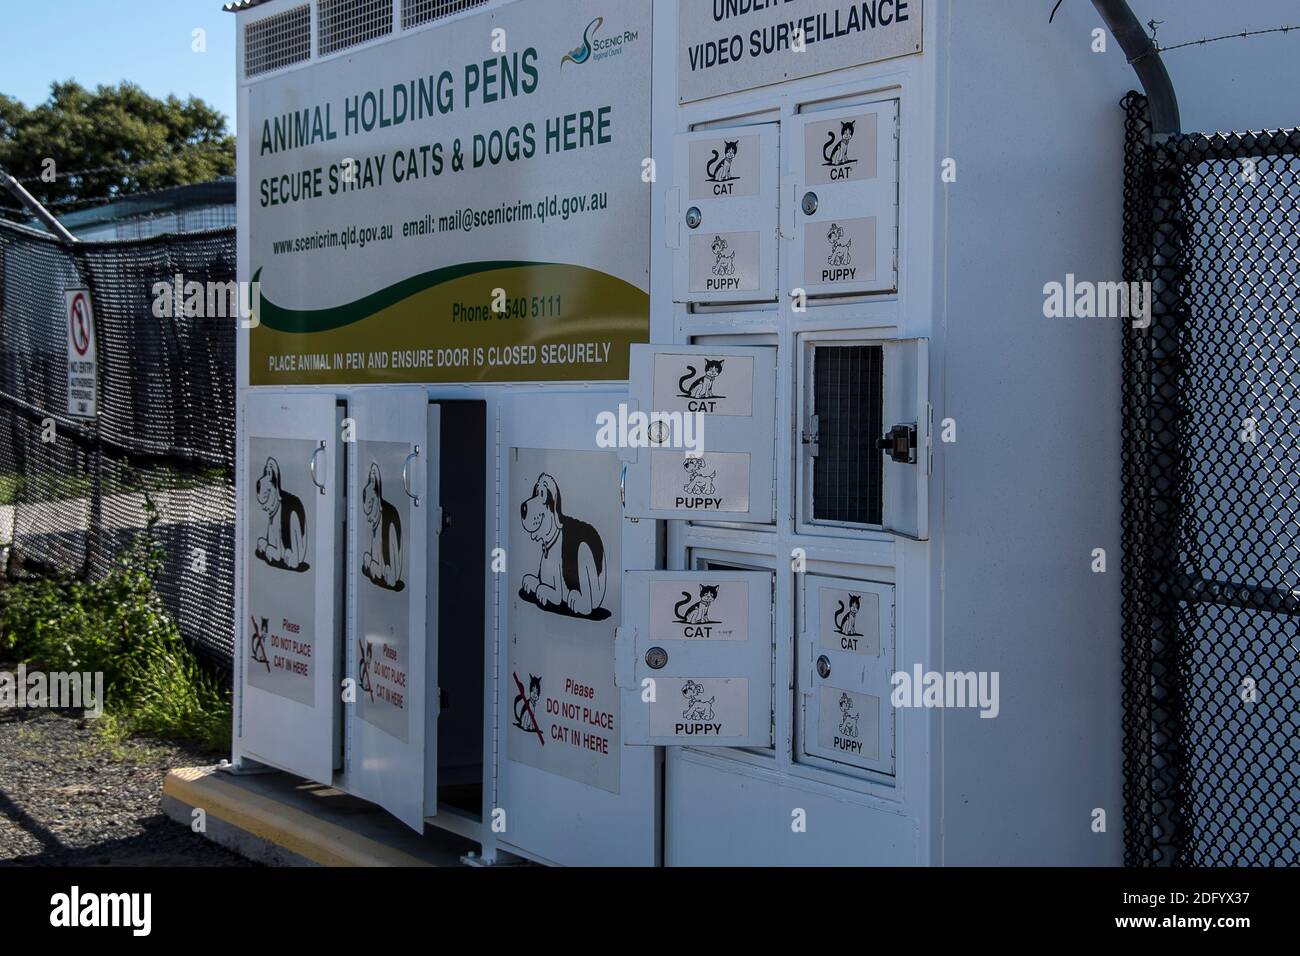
345 23
415 12
848 400
277 41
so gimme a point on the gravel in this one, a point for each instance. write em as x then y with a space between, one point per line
68 798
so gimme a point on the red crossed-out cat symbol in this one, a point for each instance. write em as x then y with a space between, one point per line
529 707
259 643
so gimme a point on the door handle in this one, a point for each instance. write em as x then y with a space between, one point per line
312 466
622 487
406 482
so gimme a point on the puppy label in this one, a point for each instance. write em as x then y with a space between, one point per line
848 724
837 251
700 707
712 483
724 261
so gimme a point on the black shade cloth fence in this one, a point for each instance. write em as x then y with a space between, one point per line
165 429
1211 511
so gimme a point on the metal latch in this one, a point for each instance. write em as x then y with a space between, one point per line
899 444
812 437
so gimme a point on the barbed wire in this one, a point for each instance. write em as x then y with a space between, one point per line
1227 36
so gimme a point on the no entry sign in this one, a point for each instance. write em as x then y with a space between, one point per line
80 324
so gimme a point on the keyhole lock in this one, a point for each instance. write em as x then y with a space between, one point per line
694 217
824 667
656 658
809 203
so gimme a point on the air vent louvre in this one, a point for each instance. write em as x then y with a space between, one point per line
277 41
415 12
344 23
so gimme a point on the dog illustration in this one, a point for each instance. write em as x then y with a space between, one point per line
836 151
382 563
284 545
697 708
839 246
724 261
698 612
697 482
702 387
848 719
571 574
719 167
846 619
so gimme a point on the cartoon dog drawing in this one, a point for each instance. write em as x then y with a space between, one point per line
848 719
285 543
571 573
724 261
382 564
697 482
697 708
839 246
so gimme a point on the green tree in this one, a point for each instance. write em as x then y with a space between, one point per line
110 142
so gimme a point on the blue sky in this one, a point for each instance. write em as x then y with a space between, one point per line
107 41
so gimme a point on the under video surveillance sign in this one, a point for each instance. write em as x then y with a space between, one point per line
730 45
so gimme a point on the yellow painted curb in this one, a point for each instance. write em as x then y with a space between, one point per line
299 832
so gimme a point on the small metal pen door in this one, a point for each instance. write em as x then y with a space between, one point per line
907 439
694 658
847 661
722 215
704 447
392 645
845 200
289 656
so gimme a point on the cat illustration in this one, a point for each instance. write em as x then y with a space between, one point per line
702 387
719 167
846 619
697 613
524 710
836 152
697 482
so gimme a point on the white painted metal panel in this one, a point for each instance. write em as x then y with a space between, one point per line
289 655
694 658
392 562
727 198
907 402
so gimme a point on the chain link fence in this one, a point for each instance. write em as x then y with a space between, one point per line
1211 511
73 491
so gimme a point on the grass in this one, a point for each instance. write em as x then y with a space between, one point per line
153 684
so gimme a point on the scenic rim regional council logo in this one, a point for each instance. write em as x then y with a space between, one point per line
582 53
594 48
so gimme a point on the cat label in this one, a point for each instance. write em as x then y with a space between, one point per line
697 609
700 707
848 724
724 262
713 483
710 385
850 621
840 251
725 166
280 613
841 150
